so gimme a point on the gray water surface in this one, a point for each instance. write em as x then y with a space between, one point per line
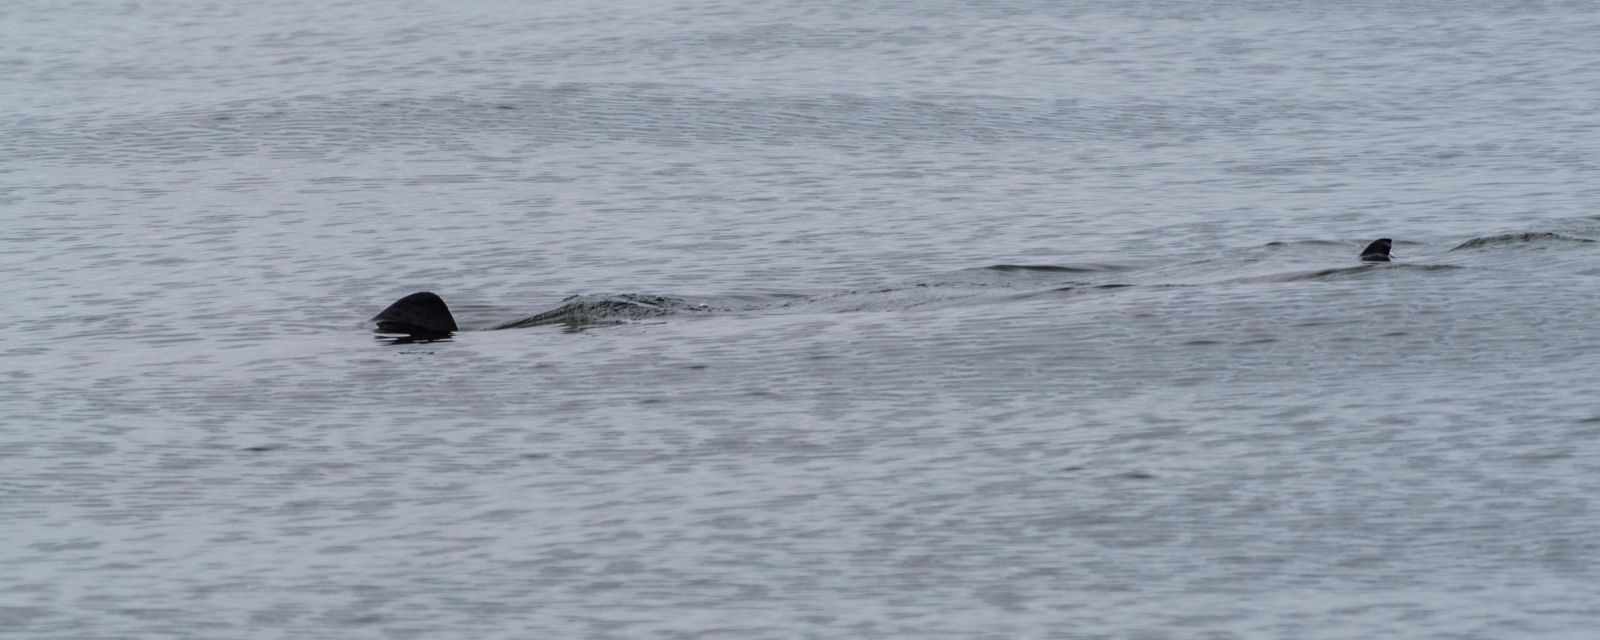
1021 320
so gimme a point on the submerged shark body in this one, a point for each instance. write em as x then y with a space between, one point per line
585 310
425 316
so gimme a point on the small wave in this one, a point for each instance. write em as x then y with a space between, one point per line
1305 243
1053 268
1520 238
1085 288
1364 270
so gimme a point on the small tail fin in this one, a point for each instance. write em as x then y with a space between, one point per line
1378 251
420 315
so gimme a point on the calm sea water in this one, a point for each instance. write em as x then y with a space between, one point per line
1022 320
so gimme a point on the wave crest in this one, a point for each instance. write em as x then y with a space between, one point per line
1530 237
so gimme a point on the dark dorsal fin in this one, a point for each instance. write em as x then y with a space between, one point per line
1378 251
421 314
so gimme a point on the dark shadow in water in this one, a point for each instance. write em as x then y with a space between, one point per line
398 340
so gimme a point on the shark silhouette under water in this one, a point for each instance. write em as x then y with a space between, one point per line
424 315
